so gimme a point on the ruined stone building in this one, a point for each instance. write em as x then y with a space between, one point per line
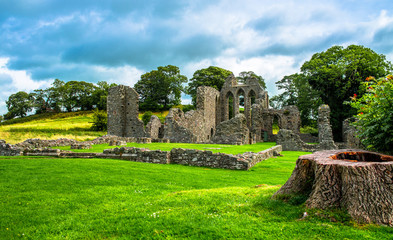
238 114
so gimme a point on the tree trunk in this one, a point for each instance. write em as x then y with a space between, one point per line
359 182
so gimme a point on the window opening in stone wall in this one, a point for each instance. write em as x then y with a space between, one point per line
240 100
230 105
276 125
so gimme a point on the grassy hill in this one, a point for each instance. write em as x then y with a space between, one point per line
75 125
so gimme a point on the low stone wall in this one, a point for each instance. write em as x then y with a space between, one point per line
9 150
176 156
137 155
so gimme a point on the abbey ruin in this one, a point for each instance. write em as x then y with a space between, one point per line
238 114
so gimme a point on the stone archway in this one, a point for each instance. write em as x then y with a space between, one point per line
229 106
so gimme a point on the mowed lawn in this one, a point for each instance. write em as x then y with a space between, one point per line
215 148
54 198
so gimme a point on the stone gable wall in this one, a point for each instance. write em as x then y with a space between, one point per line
123 112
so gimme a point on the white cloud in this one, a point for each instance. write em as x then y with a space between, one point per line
125 75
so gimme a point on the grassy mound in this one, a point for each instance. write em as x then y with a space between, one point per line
75 125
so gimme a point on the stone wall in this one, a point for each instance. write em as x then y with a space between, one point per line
9 150
123 112
325 133
350 135
263 120
197 125
153 127
233 131
175 156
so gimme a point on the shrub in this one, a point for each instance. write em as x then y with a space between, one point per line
375 113
146 117
100 121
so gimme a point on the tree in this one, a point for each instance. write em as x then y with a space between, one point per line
337 73
100 94
212 76
244 75
161 88
19 104
375 114
298 92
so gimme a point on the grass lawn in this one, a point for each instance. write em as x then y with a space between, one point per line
230 149
54 198
62 125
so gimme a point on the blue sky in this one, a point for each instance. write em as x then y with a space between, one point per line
117 41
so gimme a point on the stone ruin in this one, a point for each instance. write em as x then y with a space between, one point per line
215 120
291 140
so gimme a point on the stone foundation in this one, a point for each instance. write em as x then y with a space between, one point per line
181 156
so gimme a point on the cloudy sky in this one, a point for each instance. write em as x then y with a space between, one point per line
117 41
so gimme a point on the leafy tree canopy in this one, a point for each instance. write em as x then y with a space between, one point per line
161 88
212 76
298 92
250 74
19 104
337 73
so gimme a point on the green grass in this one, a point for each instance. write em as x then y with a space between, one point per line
75 125
54 198
230 149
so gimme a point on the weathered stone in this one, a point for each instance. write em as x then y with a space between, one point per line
233 131
80 146
350 135
197 125
325 133
9 150
122 105
153 127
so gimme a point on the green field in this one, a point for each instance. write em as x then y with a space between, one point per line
50 126
215 148
54 198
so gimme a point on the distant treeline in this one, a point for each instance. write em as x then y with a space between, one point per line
60 97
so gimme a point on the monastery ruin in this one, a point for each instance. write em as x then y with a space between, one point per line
217 118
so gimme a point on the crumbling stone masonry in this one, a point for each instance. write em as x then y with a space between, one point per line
153 127
349 135
123 112
263 120
213 109
325 133
196 125
234 131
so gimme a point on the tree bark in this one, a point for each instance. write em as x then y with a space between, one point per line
357 181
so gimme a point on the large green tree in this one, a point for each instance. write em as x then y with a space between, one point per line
212 76
100 94
337 73
19 104
298 92
250 74
161 88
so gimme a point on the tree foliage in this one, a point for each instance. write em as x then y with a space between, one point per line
298 92
61 96
161 88
250 74
375 113
19 104
100 120
212 76
336 75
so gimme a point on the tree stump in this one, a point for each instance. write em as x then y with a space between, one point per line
357 181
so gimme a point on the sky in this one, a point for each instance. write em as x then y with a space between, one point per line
118 41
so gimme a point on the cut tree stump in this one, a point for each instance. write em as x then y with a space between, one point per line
357 181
